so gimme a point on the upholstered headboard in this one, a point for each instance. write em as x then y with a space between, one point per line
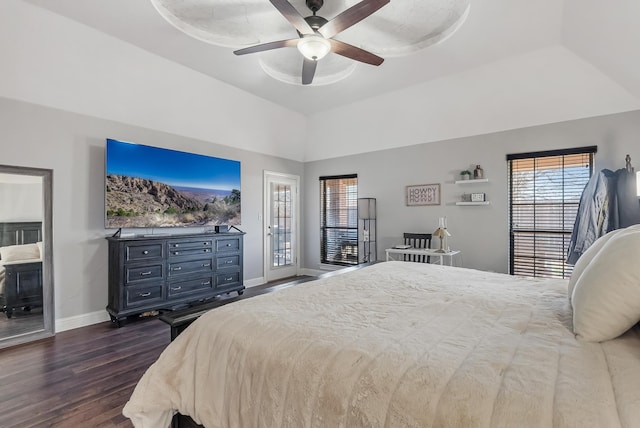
18 233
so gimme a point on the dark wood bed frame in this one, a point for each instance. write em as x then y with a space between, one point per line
180 320
23 281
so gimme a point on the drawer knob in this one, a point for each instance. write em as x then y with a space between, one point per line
205 243
144 294
145 252
177 245
145 273
176 288
177 268
228 245
206 250
228 279
206 264
229 261
206 283
176 252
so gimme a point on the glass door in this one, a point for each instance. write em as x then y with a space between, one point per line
281 226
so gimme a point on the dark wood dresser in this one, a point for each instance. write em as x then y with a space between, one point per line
149 273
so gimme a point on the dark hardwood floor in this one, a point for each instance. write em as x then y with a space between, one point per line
83 377
79 378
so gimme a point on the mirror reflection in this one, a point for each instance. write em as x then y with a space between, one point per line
22 250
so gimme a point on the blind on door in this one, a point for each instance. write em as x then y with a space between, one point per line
544 195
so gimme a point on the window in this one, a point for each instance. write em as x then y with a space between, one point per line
339 219
544 195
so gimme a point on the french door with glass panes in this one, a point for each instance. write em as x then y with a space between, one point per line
281 225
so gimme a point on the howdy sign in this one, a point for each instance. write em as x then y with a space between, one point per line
423 194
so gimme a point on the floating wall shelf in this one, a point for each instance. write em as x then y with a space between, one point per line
476 180
473 203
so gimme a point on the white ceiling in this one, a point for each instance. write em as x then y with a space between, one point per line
602 34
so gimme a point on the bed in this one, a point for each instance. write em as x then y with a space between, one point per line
20 266
396 344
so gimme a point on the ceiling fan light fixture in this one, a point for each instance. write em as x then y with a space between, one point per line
314 47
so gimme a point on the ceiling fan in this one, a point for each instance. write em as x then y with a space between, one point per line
316 34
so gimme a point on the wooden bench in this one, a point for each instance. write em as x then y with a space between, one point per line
178 320
181 319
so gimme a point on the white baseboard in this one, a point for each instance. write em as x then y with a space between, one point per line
76 321
312 272
254 281
324 268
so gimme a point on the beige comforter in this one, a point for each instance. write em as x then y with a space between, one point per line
395 345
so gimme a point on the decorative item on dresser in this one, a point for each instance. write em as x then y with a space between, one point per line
148 273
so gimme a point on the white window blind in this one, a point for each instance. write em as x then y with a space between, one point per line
339 219
544 195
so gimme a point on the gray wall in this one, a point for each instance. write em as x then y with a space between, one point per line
21 202
481 232
73 146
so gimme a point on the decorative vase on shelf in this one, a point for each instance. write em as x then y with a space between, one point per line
478 172
465 175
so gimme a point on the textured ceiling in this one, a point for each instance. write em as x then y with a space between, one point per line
601 33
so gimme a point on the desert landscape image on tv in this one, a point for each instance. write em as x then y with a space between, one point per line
147 187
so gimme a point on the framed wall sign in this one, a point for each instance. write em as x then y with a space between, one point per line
423 194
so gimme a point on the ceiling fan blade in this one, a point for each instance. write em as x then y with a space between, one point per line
351 16
293 16
308 71
267 46
355 53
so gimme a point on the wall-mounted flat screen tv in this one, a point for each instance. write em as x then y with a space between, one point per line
148 187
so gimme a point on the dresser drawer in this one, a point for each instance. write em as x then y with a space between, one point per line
190 266
181 252
144 295
224 280
228 262
191 244
177 288
227 244
169 271
140 252
136 274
